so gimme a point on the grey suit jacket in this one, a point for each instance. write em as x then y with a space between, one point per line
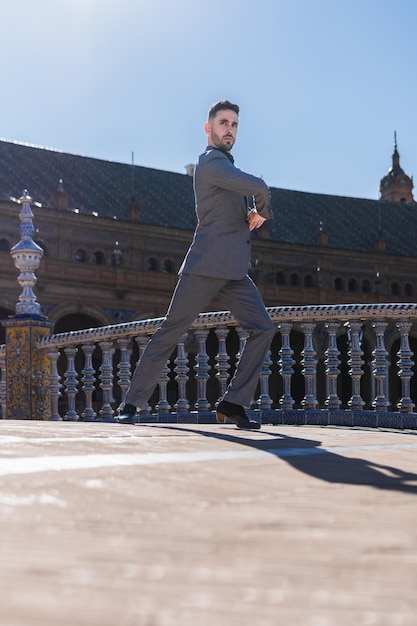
221 243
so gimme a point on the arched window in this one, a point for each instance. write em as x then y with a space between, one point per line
98 258
395 289
4 245
81 256
338 284
152 265
352 285
168 267
294 280
408 290
280 278
308 280
366 286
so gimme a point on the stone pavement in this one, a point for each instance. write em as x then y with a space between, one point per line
198 525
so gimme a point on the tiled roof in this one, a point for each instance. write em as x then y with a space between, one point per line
94 185
166 199
351 223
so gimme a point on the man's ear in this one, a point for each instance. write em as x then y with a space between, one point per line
207 128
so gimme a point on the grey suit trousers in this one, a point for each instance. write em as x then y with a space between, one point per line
191 296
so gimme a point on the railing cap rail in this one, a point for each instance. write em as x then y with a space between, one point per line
318 312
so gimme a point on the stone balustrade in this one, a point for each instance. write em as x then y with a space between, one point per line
349 365
89 370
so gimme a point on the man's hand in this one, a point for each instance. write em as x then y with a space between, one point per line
254 219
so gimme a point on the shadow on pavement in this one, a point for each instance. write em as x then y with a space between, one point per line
307 455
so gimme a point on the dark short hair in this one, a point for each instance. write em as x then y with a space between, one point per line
222 105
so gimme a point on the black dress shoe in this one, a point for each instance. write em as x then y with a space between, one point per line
237 414
127 414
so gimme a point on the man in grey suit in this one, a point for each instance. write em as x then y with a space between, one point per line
216 264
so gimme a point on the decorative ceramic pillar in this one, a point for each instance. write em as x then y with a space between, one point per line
405 363
163 407
380 367
26 256
332 363
309 363
264 401
142 342
181 370
355 362
88 380
54 383
222 360
202 369
286 363
123 366
27 368
71 383
106 412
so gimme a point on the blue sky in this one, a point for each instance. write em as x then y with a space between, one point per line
322 84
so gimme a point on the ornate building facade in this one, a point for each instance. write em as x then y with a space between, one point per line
114 236
396 186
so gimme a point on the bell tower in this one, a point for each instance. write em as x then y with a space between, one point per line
396 186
